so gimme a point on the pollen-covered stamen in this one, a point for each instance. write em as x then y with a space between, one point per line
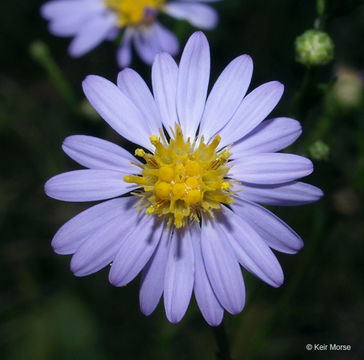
134 12
182 180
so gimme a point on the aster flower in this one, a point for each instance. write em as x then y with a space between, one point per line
190 213
91 22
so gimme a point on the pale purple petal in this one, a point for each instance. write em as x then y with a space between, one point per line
270 168
124 54
166 39
135 251
255 107
113 33
226 95
193 79
91 34
70 25
222 268
146 45
276 233
199 15
178 282
287 194
164 79
72 234
152 283
87 185
251 250
151 40
95 153
101 247
66 8
135 88
68 17
210 307
269 136
117 110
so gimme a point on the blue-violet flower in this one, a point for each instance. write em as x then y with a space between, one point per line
189 213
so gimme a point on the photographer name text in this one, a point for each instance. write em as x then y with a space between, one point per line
328 347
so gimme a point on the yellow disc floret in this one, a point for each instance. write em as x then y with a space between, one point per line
193 197
181 181
193 168
166 173
192 182
134 12
163 190
179 190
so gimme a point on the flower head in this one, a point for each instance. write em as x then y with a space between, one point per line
91 22
181 181
190 214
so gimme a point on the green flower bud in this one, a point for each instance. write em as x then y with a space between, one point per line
314 48
319 150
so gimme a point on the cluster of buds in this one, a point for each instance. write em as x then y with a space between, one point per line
314 48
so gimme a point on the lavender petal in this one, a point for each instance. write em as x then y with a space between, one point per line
255 107
276 233
152 283
226 95
75 231
178 282
206 299
135 251
222 268
87 185
95 153
269 136
193 79
270 168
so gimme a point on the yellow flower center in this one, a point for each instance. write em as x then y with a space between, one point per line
182 180
134 12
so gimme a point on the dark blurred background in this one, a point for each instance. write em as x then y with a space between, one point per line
47 313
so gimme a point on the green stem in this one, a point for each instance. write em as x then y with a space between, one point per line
222 342
41 54
320 20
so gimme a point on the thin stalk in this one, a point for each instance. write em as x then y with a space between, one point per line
41 54
222 343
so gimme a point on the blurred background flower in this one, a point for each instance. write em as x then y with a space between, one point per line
91 22
47 313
